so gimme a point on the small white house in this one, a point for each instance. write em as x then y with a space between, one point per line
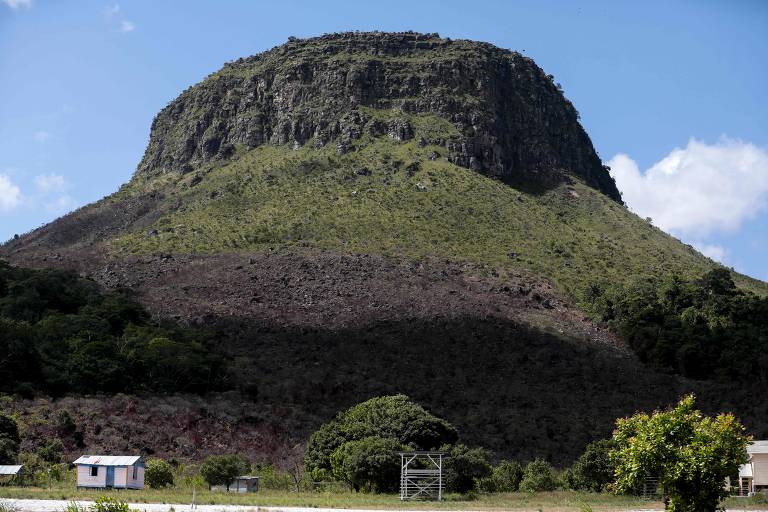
11 473
109 471
753 476
240 484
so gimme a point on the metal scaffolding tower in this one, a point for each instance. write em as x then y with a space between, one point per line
421 475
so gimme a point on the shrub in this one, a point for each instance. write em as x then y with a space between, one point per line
593 470
464 467
691 454
9 440
107 504
222 469
271 477
369 464
52 451
158 474
74 506
506 476
538 476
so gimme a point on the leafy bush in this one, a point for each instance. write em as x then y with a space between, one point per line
390 417
538 476
464 467
74 506
222 469
158 474
9 440
270 477
107 504
593 470
505 477
368 464
52 452
689 453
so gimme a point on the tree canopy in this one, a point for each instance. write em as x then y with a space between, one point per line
60 333
702 329
691 454
593 470
223 469
369 464
388 417
158 474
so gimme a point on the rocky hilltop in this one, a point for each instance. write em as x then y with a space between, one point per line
511 118
371 213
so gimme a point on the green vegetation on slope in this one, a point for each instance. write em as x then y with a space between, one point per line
400 199
59 333
702 329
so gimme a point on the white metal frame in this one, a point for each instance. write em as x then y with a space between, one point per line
421 475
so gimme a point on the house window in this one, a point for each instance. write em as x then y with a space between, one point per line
94 471
135 472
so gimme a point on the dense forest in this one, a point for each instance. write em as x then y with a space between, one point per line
60 333
704 329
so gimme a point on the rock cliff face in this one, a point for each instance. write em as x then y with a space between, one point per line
513 121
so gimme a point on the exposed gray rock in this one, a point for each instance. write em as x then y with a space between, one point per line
514 122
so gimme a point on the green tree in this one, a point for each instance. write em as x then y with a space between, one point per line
702 329
223 469
368 464
465 467
691 454
390 417
593 470
159 474
52 452
9 440
538 476
507 475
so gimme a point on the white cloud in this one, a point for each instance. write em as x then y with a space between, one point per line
51 183
41 136
61 204
113 14
713 251
10 194
112 10
52 193
15 4
698 190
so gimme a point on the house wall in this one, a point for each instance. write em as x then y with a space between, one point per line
84 478
120 476
760 468
138 482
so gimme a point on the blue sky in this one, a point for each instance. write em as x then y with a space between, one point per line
671 93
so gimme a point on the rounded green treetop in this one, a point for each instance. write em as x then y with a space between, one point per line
388 417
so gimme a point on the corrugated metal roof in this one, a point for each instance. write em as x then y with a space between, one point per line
758 447
108 460
10 470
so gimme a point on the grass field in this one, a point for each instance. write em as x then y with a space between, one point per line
550 501
547 501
